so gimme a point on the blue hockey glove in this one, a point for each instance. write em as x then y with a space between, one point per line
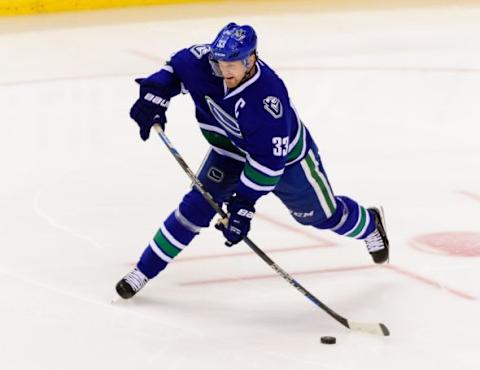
237 226
149 109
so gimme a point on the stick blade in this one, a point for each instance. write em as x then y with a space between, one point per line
371 328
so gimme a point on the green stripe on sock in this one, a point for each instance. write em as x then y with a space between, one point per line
323 187
168 248
259 177
361 224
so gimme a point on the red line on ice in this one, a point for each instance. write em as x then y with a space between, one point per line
315 235
430 282
470 195
270 276
390 267
248 252
285 68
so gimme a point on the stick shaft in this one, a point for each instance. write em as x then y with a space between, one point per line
255 248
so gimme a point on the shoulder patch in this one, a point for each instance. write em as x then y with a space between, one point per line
273 105
200 50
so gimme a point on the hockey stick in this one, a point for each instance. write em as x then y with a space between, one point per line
372 328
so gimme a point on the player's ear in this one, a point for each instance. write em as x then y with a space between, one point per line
250 61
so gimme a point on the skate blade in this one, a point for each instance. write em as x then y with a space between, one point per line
115 299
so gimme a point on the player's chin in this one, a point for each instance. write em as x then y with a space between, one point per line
231 82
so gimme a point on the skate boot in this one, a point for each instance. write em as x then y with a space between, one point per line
377 242
131 284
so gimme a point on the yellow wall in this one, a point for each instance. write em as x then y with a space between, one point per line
13 7
18 7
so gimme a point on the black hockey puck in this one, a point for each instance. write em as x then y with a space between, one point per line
328 340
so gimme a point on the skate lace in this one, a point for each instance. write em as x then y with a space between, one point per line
374 242
136 280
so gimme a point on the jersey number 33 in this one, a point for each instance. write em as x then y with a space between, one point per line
280 148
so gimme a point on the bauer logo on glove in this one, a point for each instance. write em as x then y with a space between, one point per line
237 226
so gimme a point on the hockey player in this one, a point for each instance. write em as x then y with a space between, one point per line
259 145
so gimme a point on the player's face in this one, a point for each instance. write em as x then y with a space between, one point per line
233 72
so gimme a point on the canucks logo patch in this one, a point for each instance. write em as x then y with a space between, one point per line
229 123
273 105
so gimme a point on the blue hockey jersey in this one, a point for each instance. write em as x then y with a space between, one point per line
254 122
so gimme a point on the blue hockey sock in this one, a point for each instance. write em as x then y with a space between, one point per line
350 219
174 235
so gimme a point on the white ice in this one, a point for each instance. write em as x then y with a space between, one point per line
392 98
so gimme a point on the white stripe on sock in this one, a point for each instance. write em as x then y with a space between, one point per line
159 252
359 217
170 238
367 222
190 226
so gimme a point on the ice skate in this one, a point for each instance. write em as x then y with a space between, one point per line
377 242
131 284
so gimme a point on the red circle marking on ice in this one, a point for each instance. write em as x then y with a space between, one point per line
453 243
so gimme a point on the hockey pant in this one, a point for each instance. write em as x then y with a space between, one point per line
303 188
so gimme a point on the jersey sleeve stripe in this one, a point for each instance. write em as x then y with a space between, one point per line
250 184
298 133
218 130
259 177
299 149
228 154
259 167
167 68
221 142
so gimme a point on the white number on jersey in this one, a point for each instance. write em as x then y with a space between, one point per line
281 146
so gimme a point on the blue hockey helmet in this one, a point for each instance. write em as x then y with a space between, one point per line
233 43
